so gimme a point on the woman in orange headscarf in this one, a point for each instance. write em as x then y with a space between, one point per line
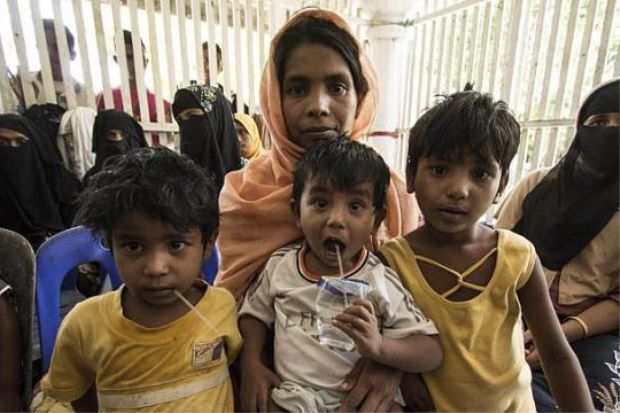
256 218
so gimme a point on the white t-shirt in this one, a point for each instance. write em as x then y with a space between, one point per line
285 295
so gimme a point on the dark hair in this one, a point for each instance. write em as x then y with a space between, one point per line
463 121
128 39
48 25
320 31
344 164
218 50
154 181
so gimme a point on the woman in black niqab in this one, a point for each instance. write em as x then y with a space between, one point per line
36 192
207 130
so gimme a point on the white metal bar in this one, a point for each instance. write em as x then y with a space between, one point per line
49 92
484 46
522 154
552 147
63 52
237 37
421 72
154 52
212 45
102 54
493 87
508 89
409 103
121 57
604 44
535 55
446 11
223 16
83 48
197 20
20 48
250 55
566 52
440 62
260 20
429 65
583 56
551 51
183 38
449 53
170 65
474 46
462 42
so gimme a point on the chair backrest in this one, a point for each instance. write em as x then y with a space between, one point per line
55 260
17 270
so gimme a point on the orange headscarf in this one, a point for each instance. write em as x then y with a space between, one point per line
256 216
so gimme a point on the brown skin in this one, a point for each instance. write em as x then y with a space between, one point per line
10 358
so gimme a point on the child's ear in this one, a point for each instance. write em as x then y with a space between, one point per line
379 217
502 185
295 209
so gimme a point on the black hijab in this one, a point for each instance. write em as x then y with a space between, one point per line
47 117
211 140
36 192
579 196
105 148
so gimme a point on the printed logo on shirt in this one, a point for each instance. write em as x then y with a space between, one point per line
205 354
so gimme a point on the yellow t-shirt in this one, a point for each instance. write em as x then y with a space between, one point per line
182 366
484 367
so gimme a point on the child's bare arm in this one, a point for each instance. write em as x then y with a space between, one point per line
256 379
560 364
415 353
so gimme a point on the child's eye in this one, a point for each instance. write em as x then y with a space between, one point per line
439 170
177 245
481 175
132 247
318 203
357 206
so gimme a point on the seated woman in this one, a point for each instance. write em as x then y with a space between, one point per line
250 145
114 133
570 213
37 193
207 130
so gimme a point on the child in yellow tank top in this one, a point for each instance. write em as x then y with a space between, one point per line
471 280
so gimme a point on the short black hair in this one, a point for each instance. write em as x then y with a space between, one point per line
218 49
48 25
313 30
463 121
344 164
153 181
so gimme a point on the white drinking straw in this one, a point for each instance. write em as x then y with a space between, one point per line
195 311
346 300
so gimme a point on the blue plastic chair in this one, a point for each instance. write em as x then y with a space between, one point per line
57 257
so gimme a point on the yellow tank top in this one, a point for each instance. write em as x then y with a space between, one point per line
484 367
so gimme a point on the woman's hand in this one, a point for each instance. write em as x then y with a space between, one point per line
256 384
371 387
359 322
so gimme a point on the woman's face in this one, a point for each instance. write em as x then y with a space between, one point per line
12 138
116 135
190 113
603 120
319 99
245 139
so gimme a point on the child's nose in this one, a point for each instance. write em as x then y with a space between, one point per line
336 216
458 187
156 264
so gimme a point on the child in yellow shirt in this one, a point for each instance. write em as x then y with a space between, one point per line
140 348
472 280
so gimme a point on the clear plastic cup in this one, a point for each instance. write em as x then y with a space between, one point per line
335 295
